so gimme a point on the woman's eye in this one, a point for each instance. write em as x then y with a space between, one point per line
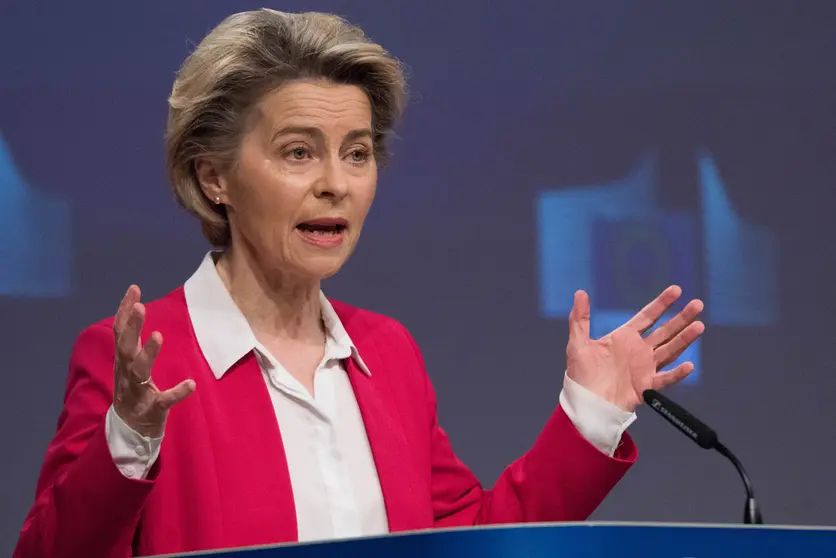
358 156
299 153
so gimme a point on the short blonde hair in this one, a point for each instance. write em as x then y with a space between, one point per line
248 55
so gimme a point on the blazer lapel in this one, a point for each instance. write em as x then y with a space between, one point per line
251 465
388 442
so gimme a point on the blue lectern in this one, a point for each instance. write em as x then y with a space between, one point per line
620 540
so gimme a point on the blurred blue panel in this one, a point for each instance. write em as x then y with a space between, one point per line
565 220
34 237
740 259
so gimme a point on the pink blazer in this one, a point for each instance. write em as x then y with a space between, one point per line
222 480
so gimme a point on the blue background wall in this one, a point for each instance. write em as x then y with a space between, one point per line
609 145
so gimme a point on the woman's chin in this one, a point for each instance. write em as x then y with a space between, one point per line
321 267
326 273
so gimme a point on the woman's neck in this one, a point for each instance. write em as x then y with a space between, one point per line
276 305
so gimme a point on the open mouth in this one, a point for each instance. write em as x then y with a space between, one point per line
323 227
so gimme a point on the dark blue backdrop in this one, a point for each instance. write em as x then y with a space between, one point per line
607 145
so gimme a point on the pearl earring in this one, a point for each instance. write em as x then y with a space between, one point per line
217 200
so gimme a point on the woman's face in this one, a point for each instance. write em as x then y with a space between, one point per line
305 179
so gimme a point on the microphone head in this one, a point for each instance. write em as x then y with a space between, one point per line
684 421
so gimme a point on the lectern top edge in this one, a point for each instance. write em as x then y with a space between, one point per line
589 524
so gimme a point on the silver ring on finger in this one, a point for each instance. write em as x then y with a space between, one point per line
146 381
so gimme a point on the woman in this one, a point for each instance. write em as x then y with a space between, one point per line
274 414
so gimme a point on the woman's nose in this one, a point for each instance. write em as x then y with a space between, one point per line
333 183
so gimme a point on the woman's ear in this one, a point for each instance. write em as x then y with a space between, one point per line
212 182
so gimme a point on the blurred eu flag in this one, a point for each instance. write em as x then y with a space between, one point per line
34 237
615 241
635 259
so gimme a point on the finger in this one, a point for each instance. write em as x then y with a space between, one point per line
666 331
671 377
671 350
132 296
141 369
651 313
127 343
171 397
579 318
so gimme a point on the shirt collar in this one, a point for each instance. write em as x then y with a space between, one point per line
225 336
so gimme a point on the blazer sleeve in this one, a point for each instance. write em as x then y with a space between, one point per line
84 505
561 478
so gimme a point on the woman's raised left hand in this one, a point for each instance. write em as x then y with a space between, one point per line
620 366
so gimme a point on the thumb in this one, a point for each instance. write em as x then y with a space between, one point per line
579 318
169 398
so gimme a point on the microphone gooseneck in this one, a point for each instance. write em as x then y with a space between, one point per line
751 512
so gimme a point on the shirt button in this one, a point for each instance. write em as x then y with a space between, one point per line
128 471
140 450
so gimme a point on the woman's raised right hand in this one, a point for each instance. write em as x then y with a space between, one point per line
136 399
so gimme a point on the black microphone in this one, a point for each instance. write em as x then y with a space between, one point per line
706 438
